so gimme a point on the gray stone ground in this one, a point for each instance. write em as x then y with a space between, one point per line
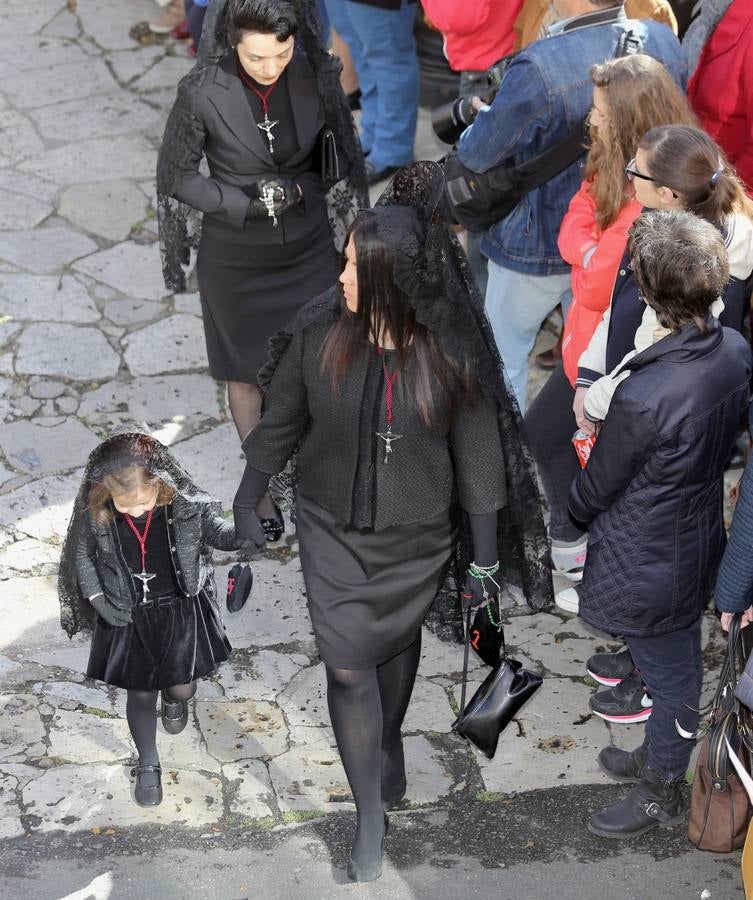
256 802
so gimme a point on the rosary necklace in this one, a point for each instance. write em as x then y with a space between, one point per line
388 436
143 576
268 124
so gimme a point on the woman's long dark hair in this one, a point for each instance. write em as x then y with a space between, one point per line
431 381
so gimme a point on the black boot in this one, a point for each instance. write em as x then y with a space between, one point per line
623 766
653 801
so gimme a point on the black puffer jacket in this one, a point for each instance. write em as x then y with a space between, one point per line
192 528
652 491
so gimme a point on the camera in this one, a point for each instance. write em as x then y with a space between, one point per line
450 120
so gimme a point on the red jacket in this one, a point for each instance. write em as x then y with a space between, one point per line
580 241
721 89
477 33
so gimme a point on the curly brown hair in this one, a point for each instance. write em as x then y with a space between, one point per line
640 94
125 481
680 265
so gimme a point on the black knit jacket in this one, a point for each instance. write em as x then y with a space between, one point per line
427 470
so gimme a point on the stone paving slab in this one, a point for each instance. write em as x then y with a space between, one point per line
50 251
134 269
82 354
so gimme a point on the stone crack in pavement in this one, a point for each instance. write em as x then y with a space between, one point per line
89 338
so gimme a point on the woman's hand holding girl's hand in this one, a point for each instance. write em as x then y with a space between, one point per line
583 423
747 618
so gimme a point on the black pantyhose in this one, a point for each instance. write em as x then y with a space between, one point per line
367 707
245 408
179 692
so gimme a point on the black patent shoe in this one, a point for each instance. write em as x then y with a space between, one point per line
273 528
368 871
147 792
652 802
174 715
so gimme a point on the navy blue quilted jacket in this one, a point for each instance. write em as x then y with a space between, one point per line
652 491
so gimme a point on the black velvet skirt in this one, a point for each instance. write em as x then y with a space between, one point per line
369 591
172 641
249 293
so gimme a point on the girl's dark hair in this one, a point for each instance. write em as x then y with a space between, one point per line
680 265
430 381
278 17
691 164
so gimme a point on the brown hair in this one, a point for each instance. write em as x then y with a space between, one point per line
680 265
124 481
640 93
690 163
436 381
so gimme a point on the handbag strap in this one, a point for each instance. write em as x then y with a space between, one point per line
466 652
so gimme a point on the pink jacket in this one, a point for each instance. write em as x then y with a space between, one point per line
477 33
595 257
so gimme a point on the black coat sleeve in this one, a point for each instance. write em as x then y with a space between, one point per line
477 457
623 445
285 413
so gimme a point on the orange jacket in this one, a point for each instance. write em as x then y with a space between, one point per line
595 257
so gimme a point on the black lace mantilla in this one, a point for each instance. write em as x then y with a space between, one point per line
435 274
179 224
122 449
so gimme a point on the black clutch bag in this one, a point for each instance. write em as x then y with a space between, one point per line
329 167
505 689
239 582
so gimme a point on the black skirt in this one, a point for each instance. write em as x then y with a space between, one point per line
368 591
173 640
250 292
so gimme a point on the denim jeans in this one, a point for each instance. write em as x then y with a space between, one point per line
672 669
384 55
516 305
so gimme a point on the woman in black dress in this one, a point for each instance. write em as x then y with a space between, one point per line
391 389
268 114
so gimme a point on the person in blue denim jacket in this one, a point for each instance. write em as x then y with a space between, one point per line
544 95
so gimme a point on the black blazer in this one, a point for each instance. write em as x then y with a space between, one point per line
238 156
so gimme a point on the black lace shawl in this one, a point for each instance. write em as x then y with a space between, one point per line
183 140
436 275
122 449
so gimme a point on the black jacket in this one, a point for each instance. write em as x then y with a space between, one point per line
237 155
427 470
652 491
192 527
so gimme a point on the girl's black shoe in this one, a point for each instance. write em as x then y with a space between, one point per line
174 716
148 791
273 528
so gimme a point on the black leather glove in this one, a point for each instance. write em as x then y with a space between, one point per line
248 531
112 614
286 194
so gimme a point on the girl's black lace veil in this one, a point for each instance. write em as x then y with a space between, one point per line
179 225
122 449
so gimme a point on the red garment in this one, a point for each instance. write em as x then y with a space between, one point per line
476 33
721 89
591 284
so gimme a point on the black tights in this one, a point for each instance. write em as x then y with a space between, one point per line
141 712
367 708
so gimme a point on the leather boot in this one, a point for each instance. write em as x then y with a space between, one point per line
653 801
622 765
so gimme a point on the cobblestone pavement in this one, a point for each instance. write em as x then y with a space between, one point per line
89 338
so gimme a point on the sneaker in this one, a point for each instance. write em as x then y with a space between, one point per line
568 600
569 557
174 14
624 704
610 668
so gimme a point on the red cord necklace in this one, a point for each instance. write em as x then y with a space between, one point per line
144 577
389 383
268 124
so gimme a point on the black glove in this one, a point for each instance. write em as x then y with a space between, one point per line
112 614
285 193
248 531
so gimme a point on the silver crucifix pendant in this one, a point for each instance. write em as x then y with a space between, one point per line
266 126
144 578
388 437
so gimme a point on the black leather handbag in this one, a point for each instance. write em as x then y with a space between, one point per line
326 153
505 689
240 579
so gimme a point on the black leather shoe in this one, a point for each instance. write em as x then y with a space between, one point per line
368 871
374 175
652 802
174 716
148 790
273 528
622 765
